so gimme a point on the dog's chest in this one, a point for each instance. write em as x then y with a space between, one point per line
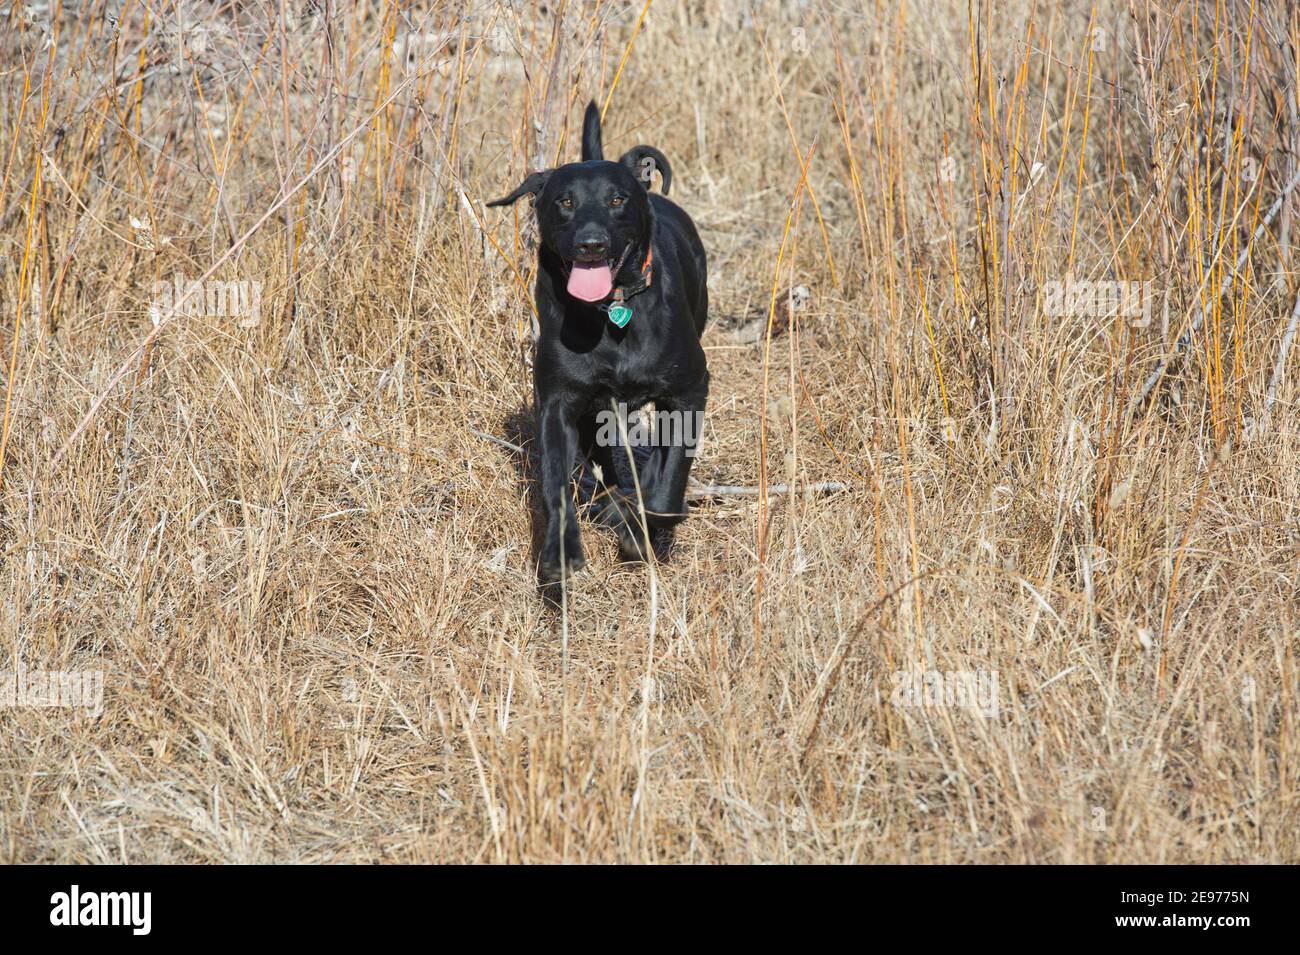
633 376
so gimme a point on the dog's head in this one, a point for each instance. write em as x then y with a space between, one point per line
595 214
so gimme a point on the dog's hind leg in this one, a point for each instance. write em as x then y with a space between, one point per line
662 478
611 506
598 458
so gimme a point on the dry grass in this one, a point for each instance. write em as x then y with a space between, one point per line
310 586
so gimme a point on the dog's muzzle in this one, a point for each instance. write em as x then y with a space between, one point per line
594 281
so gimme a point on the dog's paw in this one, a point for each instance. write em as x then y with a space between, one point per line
616 508
632 544
620 511
553 570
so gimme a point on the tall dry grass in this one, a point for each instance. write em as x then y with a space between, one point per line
307 577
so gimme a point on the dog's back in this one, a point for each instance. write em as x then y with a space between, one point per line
676 226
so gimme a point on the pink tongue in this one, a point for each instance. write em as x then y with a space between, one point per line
590 282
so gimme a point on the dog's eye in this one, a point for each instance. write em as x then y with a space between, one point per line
567 202
617 201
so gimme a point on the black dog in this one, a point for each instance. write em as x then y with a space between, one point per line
621 299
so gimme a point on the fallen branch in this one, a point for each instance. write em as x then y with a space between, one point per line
495 440
704 492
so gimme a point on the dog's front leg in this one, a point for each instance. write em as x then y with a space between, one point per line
562 544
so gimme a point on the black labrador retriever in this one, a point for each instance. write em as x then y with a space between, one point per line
622 300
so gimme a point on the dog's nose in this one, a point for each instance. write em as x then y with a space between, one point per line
592 247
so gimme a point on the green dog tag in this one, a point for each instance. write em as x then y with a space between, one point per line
620 315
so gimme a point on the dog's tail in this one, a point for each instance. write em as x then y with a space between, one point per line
591 148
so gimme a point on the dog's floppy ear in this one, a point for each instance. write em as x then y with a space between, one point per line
644 160
531 186
591 148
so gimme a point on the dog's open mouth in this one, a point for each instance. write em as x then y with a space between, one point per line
591 281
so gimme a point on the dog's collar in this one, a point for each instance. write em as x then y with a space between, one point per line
643 280
619 312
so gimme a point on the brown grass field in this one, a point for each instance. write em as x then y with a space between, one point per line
295 544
